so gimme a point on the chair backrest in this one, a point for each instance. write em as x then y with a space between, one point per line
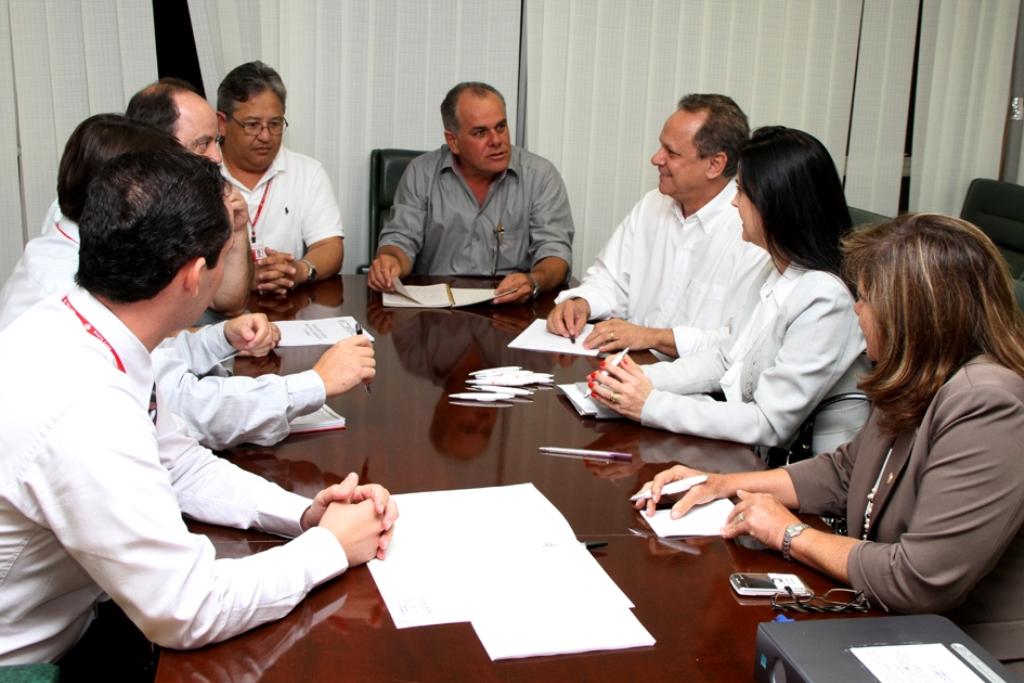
386 168
998 209
865 217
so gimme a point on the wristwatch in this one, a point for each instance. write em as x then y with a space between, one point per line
792 531
536 286
312 270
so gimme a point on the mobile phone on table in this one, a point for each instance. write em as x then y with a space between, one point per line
745 583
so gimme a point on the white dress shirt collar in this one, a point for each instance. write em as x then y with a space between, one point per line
707 216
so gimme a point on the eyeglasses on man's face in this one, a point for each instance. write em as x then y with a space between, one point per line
253 127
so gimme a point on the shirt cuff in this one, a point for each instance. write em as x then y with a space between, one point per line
215 341
599 310
280 512
324 558
306 393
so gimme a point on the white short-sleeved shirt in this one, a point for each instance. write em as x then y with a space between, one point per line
299 208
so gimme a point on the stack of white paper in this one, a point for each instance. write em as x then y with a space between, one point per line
537 338
322 420
325 331
504 559
584 405
702 520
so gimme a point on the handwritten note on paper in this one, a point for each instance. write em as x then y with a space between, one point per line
703 520
537 338
322 332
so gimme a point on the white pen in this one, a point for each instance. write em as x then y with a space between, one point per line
674 487
481 396
586 453
614 362
496 371
515 391
511 380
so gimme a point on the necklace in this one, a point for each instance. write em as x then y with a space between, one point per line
871 496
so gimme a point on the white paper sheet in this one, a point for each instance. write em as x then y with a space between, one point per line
321 420
586 406
519 633
924 663
703 520
537 338
322 332
498 557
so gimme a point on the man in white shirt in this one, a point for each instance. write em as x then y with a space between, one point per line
673 277
173 106
218 411
295 225
95 473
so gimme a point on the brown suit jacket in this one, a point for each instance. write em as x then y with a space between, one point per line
947 529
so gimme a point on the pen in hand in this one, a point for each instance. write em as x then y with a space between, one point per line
359 330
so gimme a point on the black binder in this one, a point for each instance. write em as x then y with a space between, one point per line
818 650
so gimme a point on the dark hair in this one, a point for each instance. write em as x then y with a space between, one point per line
248 80
941 295
155 104
146 216
450 103
792 182
725 129
93 143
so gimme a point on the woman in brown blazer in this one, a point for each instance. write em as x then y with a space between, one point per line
933 486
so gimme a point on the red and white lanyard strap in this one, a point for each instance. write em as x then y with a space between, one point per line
56 224
259 211
96 333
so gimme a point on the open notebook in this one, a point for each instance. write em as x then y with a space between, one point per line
435 296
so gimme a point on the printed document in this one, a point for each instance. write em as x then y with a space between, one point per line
537 338
322 332
584 405
498 557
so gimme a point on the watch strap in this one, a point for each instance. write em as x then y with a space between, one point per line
792 531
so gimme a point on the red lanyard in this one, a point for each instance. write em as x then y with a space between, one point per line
259 210
96 333
57 225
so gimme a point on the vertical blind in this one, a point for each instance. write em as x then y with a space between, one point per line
67 59
963 88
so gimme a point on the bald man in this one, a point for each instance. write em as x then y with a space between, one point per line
174 106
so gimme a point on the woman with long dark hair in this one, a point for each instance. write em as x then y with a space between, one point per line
801 343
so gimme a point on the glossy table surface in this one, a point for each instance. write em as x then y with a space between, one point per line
407 436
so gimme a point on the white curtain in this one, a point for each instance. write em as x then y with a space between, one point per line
878 127
604 75
66 60
362 75
963 91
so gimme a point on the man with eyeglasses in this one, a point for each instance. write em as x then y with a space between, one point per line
175 107
295 226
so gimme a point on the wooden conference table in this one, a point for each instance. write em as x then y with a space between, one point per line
408 437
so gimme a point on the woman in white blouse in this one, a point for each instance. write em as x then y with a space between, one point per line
801 344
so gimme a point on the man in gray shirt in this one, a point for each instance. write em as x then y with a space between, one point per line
478 206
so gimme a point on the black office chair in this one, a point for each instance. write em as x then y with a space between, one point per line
998 209
386 169
865 217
